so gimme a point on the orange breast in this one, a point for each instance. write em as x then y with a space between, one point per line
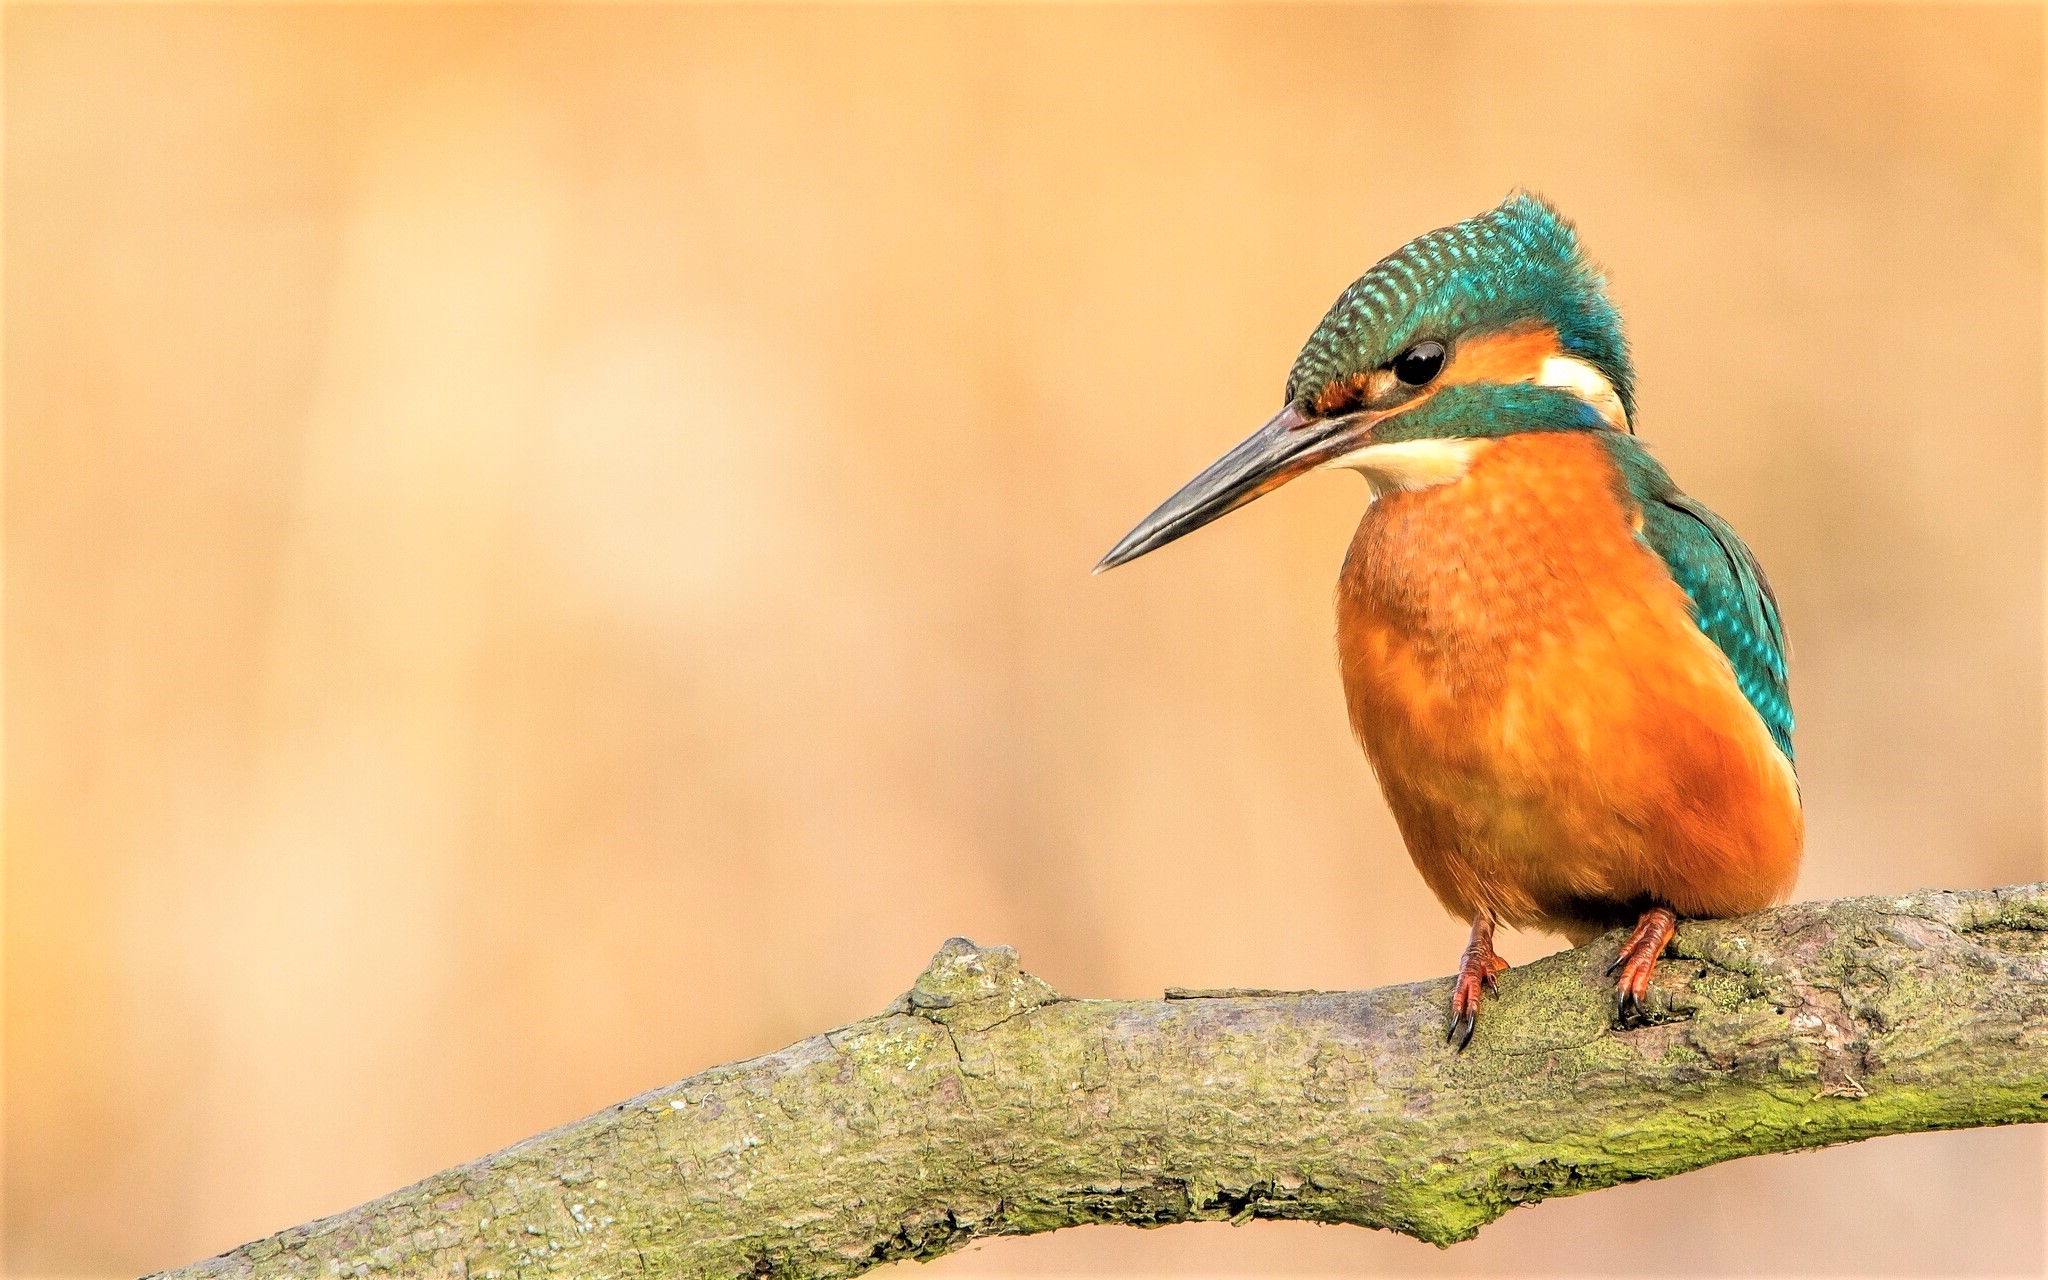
1558 742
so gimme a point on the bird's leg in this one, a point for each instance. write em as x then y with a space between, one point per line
1638 960
1476 971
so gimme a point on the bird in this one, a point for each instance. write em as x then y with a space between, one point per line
1568 675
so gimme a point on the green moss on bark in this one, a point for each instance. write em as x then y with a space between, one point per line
984 1103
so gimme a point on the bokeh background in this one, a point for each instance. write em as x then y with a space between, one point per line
547 548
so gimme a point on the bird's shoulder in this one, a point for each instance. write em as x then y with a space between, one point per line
1732 600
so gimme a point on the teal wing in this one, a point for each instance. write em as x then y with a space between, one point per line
1731 599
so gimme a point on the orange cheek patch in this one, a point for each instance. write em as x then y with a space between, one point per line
1514 356
1342 394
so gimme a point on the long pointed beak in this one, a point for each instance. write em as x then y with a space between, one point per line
1288 445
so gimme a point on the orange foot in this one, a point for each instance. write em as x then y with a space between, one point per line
1475 974
1638 960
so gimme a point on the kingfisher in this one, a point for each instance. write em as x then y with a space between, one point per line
1568 675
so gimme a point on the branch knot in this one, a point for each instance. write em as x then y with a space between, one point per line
974 988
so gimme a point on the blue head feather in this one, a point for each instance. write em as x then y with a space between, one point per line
1516 264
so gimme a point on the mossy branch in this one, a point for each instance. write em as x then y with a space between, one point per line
984 1103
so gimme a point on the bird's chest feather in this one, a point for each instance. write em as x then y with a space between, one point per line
1546 719
1458 601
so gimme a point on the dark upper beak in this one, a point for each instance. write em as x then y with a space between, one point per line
1284 448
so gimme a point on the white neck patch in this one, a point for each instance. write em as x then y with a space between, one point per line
1569 373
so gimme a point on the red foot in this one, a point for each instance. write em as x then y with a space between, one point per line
1475 974
1638 960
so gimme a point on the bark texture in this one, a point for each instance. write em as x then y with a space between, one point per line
985 1103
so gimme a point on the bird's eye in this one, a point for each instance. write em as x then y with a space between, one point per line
1419 364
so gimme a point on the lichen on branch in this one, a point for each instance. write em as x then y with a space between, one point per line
982 1103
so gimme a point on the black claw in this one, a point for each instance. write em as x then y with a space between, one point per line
1615 968
1461 1030
1486 980
1632 1012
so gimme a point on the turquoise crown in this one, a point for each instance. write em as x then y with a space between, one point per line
1514 264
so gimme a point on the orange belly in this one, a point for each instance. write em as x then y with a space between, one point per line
1558 741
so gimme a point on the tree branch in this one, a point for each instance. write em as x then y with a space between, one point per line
984 1103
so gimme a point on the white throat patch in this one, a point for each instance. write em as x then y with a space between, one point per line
1401 465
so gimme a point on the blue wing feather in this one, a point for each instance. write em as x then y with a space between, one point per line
1731 598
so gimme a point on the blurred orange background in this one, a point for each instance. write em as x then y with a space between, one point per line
548 548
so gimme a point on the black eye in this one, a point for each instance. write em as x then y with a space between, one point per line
1419 364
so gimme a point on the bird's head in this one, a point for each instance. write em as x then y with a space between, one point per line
1493 326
